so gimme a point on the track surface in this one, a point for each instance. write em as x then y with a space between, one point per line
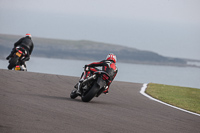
33 102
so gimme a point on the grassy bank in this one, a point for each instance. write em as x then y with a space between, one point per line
183 97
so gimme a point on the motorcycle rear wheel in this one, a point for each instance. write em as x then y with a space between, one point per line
90 94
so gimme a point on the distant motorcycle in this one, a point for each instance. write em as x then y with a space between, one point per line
92 86
15 61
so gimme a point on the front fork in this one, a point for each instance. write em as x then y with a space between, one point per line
84 80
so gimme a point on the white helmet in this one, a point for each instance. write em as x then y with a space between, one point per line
29 35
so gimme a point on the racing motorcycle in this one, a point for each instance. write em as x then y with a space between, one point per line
92 86
15 61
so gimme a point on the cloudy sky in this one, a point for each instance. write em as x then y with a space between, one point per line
168 27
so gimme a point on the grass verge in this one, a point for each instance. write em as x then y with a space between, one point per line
182 97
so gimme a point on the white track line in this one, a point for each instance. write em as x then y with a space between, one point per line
142 91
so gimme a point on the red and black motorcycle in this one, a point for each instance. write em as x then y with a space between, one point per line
16 59
92 86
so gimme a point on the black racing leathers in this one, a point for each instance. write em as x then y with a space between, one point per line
27 43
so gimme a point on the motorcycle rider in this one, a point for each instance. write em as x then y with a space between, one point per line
107 65
27 44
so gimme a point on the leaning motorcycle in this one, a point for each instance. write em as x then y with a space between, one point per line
16 59
92 86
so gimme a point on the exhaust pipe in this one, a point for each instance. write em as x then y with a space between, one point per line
89 78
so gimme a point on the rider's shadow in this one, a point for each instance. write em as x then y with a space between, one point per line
50 97
69 99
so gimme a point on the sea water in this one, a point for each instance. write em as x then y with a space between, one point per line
170 75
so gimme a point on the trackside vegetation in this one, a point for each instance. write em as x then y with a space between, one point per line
182 97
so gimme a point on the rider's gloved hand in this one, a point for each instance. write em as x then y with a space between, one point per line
86 68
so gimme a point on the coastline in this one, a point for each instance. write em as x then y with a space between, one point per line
190 62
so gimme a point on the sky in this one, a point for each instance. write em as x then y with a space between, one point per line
167 27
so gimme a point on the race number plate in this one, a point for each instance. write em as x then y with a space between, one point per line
18 54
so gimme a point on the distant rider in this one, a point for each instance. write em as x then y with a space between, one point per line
26 43
107 65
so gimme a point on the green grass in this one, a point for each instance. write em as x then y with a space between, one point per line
183 97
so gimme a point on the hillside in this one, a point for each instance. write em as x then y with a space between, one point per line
87 50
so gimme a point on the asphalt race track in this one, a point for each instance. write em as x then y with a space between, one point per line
40 103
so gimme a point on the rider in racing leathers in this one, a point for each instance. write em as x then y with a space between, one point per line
108 66
26 43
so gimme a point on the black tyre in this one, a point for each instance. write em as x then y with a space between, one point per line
91 94
13 62
73 94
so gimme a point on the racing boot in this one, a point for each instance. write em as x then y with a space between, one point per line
24 68
23 65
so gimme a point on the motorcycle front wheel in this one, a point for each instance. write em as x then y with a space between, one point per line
73 94
13 62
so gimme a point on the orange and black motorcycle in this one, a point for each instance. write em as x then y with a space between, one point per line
15 61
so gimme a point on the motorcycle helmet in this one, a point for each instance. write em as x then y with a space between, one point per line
111 57
29 35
